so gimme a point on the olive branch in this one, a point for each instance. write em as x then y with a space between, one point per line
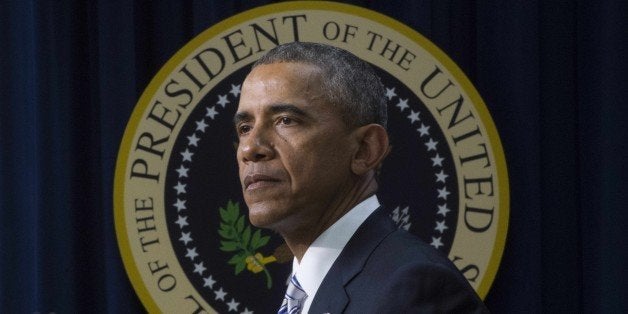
237 237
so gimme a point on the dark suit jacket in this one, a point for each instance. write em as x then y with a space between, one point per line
386 270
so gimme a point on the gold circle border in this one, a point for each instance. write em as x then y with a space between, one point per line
142 104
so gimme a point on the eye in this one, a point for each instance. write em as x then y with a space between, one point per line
244 129
285 121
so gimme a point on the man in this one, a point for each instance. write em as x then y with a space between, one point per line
311 124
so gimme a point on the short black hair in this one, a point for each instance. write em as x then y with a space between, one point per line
348 82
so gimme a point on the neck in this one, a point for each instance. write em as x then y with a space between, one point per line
299 239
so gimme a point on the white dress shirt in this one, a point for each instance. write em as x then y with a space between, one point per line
324 251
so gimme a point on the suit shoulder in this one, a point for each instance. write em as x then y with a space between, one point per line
412 276
403 247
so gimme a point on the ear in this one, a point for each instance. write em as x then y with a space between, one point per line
373 147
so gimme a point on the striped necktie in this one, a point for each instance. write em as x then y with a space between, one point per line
294 298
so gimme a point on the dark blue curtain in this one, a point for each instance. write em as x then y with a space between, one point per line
552 73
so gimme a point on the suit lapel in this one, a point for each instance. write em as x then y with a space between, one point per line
332 297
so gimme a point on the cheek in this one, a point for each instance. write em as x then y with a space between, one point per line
241 168
321 162
314 157
298 161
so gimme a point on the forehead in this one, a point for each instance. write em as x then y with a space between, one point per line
283 75
294 83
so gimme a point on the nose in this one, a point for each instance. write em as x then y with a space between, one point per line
256 146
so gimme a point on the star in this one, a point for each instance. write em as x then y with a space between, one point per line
185 237
390 93
201 125
442 193
414 116
199 268
192 255
211 112
180 187
180 205
437 161
443 210
183 171
193 140
247 311
220 294
209 282
436 242
233 305
440 226
235 90
441 176
182 221
222 100
424 130
187 155
402 104
431 145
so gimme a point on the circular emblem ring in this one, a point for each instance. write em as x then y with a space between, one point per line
186 244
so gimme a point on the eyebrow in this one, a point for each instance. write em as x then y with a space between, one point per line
274 109
241 116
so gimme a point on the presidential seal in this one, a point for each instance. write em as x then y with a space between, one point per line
181 222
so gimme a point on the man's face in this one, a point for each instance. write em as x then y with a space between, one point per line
294 150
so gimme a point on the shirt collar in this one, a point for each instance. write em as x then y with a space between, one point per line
324 251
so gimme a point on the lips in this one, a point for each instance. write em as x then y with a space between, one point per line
254 181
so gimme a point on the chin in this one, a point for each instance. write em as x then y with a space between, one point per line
263 217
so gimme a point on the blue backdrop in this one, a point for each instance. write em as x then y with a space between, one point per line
552 73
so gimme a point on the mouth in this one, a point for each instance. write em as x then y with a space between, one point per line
255 181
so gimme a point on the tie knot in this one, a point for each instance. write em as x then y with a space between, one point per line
294 298
295 289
